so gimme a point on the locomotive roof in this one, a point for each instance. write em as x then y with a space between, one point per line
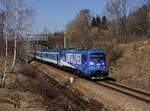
89 51
86 51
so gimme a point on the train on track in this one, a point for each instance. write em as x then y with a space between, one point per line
90 63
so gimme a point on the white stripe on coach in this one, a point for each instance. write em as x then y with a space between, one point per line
47 60
48 52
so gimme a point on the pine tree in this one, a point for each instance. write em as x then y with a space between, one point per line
104 22
93 22
98 20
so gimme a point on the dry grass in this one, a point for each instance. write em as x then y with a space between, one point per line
34 91
59 96
133 68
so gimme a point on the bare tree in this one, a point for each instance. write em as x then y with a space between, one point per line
147 2
16 34
23 21
18 22
2 21
78 30
6 46
117 11
6 33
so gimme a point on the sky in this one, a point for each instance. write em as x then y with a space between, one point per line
56 14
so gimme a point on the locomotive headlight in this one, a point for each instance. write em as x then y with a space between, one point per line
103 63
104 67
91 63
98 64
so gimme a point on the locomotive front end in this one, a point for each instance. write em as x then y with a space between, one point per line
98 66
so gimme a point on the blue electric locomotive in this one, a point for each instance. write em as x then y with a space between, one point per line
91 63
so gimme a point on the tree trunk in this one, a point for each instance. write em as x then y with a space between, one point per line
16 34
6 54
14 57
148 17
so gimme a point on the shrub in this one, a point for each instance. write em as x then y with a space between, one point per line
115 54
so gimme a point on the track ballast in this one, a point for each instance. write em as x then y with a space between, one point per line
136 93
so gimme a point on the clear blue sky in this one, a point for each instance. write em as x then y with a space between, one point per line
55 14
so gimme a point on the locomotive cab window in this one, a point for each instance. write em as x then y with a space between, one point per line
97 56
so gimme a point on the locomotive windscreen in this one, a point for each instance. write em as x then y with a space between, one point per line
97 56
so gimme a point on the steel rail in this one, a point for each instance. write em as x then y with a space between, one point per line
142 92
141 95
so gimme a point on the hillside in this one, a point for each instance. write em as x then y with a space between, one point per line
34 91
133 65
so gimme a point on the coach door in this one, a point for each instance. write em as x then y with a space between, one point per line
84 60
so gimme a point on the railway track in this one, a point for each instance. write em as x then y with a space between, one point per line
91 89
135 93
